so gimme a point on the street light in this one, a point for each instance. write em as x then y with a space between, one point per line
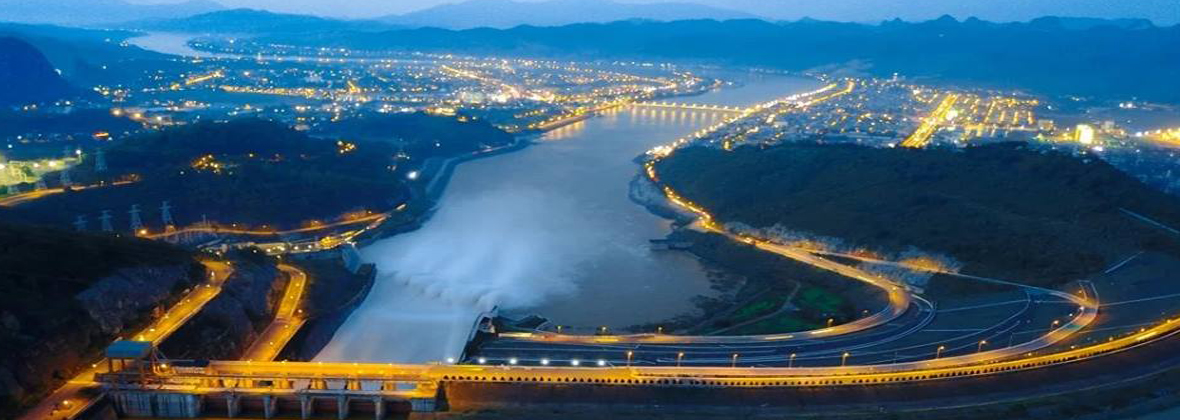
939 352
679 358
844 359
791 361
735 357
559 329
830 320
629 354
979 348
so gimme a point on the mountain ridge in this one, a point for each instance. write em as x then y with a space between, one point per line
509 13
246 20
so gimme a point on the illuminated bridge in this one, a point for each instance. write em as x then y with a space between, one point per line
691 107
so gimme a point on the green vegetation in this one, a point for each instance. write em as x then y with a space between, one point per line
764 305
784 322
770 281
1005 211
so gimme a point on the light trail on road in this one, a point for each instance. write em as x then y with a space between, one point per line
288 318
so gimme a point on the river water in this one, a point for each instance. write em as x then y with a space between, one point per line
546 230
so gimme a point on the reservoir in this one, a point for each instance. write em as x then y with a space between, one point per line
547 230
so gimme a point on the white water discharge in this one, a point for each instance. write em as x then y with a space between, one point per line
547 230
435 282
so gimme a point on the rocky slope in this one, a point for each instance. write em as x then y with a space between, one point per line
228 324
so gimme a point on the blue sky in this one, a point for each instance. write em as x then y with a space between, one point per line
1161 11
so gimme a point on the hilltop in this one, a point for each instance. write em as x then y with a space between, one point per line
1003 210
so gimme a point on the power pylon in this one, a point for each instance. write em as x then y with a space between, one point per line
166 217
136 222
100 160
106 221
65 178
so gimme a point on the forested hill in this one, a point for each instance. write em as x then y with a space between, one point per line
1003 210
27 77
1115 59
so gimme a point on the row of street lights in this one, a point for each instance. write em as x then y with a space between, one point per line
733 359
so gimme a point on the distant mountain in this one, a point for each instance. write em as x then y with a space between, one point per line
255 21
88 57
27 76
90 12
509 13
1081 24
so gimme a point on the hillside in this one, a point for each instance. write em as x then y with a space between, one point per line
1004 211
67 295
261 173
88 57
248 171
27 76
1049 56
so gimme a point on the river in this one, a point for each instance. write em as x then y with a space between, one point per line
546 230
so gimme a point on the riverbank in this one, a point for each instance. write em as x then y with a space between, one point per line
771 295
428 196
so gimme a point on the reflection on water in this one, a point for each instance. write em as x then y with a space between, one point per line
547 230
